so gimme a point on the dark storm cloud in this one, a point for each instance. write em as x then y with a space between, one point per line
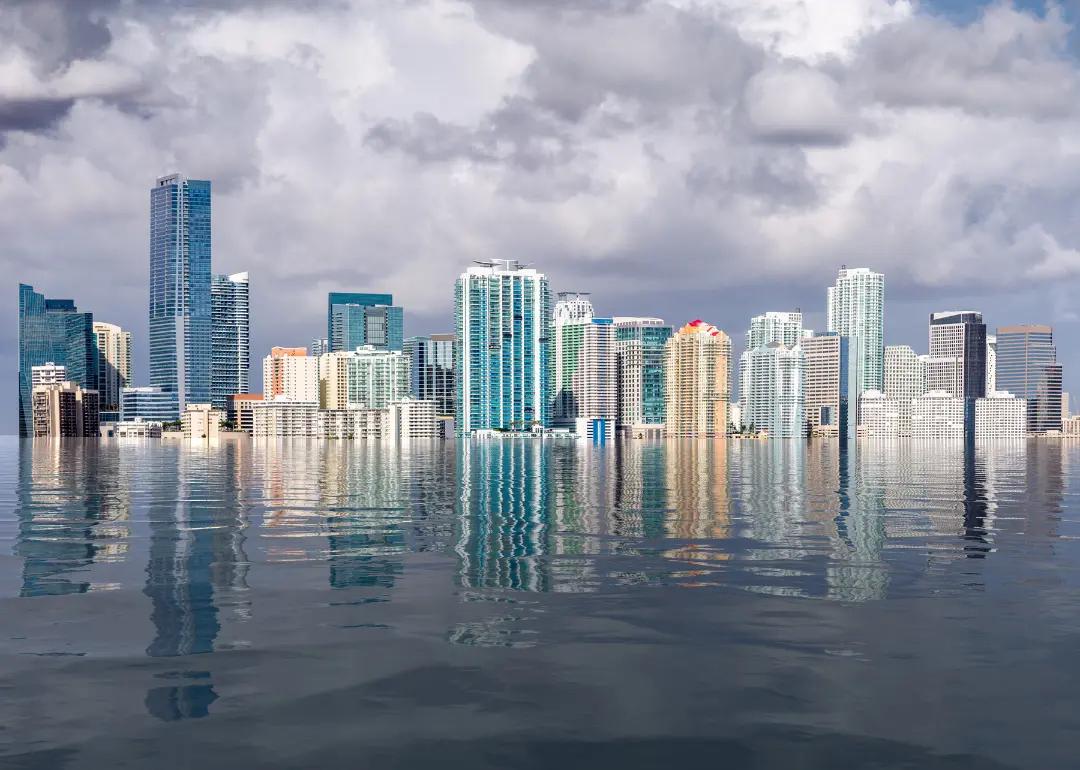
32 114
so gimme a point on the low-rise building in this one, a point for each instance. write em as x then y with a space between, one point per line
152 404
282 418
1070 426
880 417
201 422
1000 416
65 410
937 415
241 411
413 419
133 429
354 424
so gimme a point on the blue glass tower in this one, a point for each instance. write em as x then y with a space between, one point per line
230 299
180 279
52 330
1027 367
504 326
355 319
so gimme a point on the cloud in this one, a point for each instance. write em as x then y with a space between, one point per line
682 158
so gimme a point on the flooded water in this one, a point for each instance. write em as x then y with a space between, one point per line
528 604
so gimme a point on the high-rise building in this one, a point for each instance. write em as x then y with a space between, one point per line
319 346
991 364
180 278
65 410
584 377
772 396
697 388
431 370
905 379
357 319
830 389
957 363
639 354
503 322
938 415
784 327
376 377
52 331
856 309
48 373
1027 367
149 404
231 351
292 374
114 363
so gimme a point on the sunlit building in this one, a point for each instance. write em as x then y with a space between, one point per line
697 391
1027 367
114 358
905 379
639 361
882 417
292 374
65 410
937 415
856 309
230 298
831 388
584 381
1000 416
431 370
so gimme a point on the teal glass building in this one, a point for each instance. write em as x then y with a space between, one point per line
230 299
52 330
355 319
180 279
502 313
639 345
431 370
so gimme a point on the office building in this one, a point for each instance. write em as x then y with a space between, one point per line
697 386
1000 416
180 278
905 379
431 370
502 314
52 331
831 391
957 363
639 361
201 422
320 346
938 415
292 374
151 404
584 379
1027 367
357 319
241 411
231 337
991 363
284 418
772 396
114 357
64 410
412 419
881 417
856 309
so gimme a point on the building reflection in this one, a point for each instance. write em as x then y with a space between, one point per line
73 512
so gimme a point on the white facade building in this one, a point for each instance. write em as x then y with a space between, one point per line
354 424
783 327
584 382
937 415
290 374
1000 417
285 418
48 374
201 422
991 363
905 379
882 417
856 309
413 419
772 390
114 363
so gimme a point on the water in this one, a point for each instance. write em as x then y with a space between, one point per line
508 604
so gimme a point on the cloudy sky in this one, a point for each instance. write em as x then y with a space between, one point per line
681 158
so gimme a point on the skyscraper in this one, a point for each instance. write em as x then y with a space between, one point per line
957 363
785 328
65 410
231 310
431 370
856 310
584 378
905 380
830 391
180 305
697 388
639 353
291 374
356 319
114 363
773 381
52 331
502 312
991 364
1027 367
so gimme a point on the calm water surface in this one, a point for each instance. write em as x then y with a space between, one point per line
520 604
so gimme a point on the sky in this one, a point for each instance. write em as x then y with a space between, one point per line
687 159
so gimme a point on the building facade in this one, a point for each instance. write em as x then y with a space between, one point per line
1027 367
937 415
354 319
292 374
1000 416
697 388
231 337
65 410
831 386
201 422
991 363
772 398
957 363
114 357
241 411
282 418
180 278
412 419
48 374
856 309
639 362
502 314
905 379
783 327
431 370
584 380
882 417
52 331
151 404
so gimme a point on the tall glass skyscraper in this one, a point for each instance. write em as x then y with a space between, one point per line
857 311
180 304
639 352
230 299
355 319
52 331
957 362
502 311
1027 367
431 370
